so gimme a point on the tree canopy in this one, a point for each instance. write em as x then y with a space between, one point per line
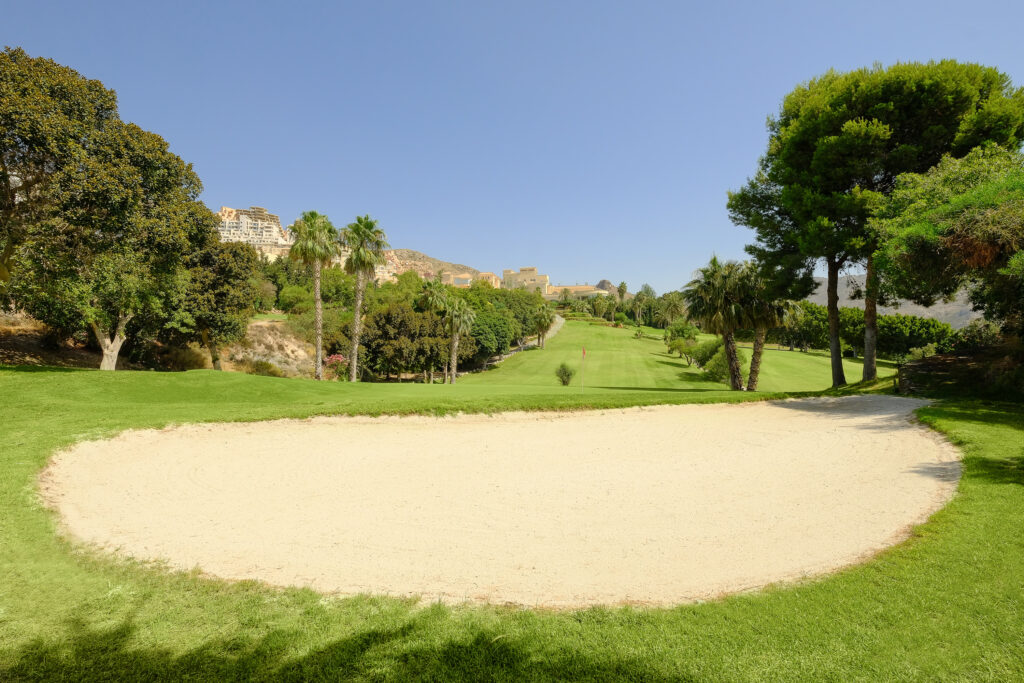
837 146
960 224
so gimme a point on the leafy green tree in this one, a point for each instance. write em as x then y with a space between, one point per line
493 332
337 287
365 243
621 289
296 299
834 153
960 224
49 116
127 218
598 304
316 243
221 293
681 329
459 317
714 298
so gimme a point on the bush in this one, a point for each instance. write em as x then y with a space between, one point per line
620 317
564 374
717 369
705 351
920 352
681 328
293 298
263 367
979 334
336 367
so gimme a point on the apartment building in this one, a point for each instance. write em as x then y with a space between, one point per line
527 278
255 226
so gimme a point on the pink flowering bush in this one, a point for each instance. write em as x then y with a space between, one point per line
336 367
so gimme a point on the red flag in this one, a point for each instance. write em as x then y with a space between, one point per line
584 351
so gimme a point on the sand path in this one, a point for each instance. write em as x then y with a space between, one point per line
652 505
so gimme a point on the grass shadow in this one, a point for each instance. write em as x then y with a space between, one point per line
403 653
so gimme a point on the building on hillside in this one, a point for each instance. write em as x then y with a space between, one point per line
526 278
554 292
491 279
461 280
255 226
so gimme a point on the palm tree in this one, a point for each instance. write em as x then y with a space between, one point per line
435 299
459 316
714 299
670 307
762 312
543 319
316 243
365 243
621 289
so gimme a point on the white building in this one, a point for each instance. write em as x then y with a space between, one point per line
254 226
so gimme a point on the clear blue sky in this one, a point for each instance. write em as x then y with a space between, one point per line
591 139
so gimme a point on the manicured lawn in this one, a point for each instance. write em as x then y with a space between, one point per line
617 362
948 604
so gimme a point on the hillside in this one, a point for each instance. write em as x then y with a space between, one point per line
404 260
957 312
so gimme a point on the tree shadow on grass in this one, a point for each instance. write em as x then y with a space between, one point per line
42 369
663 389
405 653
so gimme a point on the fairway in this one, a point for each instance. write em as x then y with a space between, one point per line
618 362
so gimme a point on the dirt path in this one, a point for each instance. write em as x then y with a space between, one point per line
655 506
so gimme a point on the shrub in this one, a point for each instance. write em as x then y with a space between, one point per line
336 367
979 334
620 317
263 367
293 298
920 352
717 368
681 328
564 374
705 351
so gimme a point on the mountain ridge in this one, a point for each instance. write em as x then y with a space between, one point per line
957 313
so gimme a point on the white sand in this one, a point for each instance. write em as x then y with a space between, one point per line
649 505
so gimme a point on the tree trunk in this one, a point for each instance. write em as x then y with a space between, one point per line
735 373
835 348
6 255
214 351
870 321
357 324
111 343
455 357
318 324
755 358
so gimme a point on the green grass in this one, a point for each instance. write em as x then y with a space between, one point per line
618 363
948 604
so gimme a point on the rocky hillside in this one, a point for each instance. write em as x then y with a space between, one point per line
957 312
404 260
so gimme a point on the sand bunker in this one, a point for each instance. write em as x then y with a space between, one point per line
650 505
